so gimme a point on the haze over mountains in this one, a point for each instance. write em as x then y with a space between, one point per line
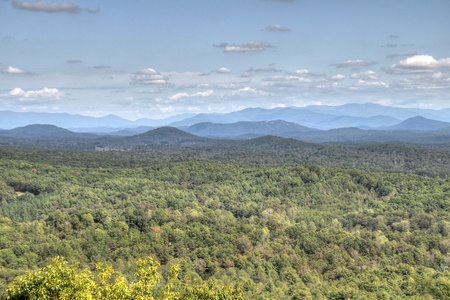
365 116
346 123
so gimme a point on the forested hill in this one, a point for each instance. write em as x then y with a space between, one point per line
420 124
428 160
44 131
239 129
266 218
278 232
417 131
165 136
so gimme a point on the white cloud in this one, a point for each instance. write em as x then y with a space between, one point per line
278 105
306 73
419 64
338 77
178 96
247 89
426 61
299 77
148 77
301 72
277 28
223 70
438 76
17 92
354 63
426 81
251 46
14 70
246 94
367 75
38 96
227 86
203 94
369 84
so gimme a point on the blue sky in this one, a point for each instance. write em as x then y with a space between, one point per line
160 58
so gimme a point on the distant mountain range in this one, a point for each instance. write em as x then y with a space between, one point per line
301 116
50 136
416 130
364 116
80 123
346 123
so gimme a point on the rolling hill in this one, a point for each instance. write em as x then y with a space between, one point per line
164 136
238 129
43 131
419 123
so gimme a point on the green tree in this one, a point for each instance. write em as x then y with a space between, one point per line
58 280
64 280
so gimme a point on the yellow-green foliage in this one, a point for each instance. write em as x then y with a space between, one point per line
63 280
58 280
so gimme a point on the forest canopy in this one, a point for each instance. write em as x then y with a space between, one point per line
288 231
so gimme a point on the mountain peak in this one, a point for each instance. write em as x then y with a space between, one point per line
420 123
39 130
167 135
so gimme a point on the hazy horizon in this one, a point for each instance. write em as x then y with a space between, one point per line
155 59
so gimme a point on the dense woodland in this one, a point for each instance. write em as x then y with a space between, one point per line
284 221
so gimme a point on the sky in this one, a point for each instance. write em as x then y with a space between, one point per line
159 58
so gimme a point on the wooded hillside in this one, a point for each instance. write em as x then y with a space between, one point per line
280 232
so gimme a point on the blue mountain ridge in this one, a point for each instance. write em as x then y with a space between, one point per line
365 116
